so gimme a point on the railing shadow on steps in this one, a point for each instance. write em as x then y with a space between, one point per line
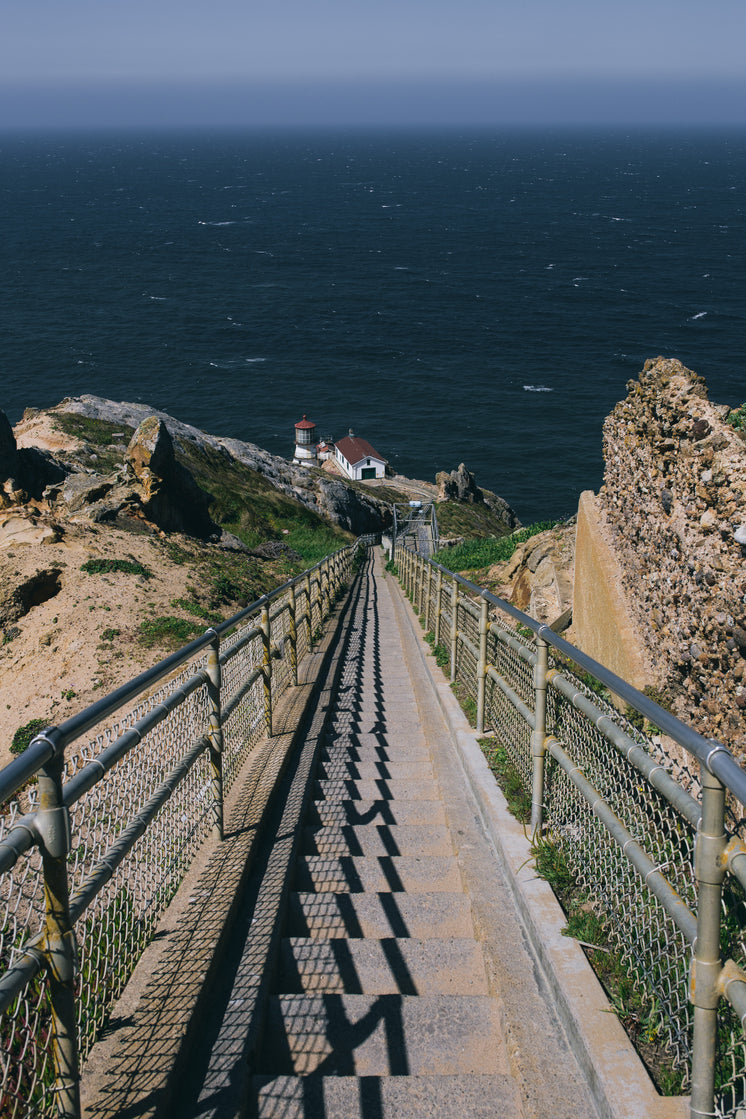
97 833
654 841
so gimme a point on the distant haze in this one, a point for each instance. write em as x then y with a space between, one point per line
267 63
273 104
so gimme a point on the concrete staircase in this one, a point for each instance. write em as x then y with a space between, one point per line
382 1006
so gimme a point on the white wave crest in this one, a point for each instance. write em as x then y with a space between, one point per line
537 388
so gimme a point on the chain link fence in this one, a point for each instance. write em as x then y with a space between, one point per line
647 838
103 815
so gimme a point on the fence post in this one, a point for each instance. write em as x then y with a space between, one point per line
267 666
438 608
293 636
482 666
454 629
539 735
309 611
215 732
709 871
53 824
426 575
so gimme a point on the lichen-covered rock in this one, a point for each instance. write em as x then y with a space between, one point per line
673 498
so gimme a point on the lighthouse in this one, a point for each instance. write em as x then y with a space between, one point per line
305 443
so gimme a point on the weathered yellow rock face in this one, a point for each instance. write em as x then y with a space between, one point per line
604 621
673 499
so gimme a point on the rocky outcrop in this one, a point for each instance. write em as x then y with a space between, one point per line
170 497
460 485
24 474
351 509
673 502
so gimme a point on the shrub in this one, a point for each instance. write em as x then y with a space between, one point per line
22 737
107 566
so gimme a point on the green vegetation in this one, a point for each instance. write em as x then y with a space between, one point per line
191 606
508 778
441 654
22 737
109 634
109 566
737 418
484 552
102 439
248 505
168 631
461 518
639 1012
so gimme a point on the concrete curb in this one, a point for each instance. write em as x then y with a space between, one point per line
618 1081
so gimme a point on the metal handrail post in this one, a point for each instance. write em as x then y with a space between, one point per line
482 666
267 667
215 733
454 629
293 636
53 826
438 607
539 735
309 611
427 581
709 869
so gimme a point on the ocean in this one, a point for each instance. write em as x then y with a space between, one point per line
452 297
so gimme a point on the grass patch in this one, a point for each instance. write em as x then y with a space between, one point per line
467 702
120 566
486 551
102 439
196 609
168 631
508 778
640 1014
22 737
462 518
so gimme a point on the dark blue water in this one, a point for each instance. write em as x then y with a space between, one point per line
452 297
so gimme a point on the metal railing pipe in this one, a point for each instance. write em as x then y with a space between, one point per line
215 735
60 949
512 696
481 665
539 735
709 869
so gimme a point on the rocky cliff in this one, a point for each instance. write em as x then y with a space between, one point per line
673 505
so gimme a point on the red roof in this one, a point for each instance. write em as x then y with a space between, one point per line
304 423
355 450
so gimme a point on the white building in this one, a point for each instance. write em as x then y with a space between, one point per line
358 459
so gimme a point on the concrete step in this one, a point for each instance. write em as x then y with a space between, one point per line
377 874
383 967
391 740
382 789
355 812
384 1035
379 915
378 839
341 769
393 1097
376 751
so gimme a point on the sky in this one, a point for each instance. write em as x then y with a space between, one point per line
90 63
